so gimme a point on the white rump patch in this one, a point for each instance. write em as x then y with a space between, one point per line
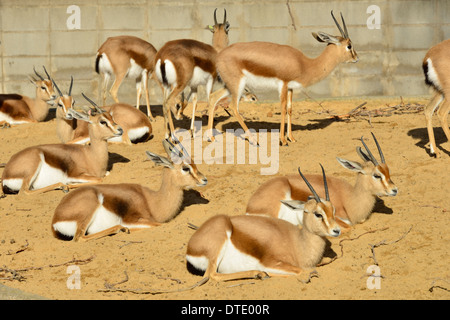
66 228
200 263
432 75
137 133
13 184
104 65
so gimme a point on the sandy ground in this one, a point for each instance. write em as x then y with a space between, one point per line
409 232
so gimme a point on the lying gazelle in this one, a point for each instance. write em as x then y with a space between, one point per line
17 109
353 203
188 63
436 67
126 56
48 167
135 125
92 212
254 246
269 65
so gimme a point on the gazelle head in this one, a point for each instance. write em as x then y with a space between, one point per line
316 215
44 87
220 31
102 126
186 174
377 176
343 42
64 102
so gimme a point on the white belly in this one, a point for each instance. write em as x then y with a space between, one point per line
264 83
5 117
199 78
135 70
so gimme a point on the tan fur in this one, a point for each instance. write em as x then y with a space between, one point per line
274 61
185 55
137 206
23 108
280 247
440 61
120 50
88 163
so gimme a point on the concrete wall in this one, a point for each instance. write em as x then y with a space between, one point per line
36 33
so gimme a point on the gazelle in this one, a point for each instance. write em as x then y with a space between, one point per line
135 125
188 63
48 167
126 56
91 212
353 203
436 66
253 246
274 66
16 109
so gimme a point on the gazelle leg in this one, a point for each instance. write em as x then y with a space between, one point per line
429 111
147 97
283 100
443 117
211 273
80 235
106 78
115 87
167 108
194 109
289 116
213 99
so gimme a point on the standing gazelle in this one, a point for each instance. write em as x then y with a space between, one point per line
126 56
53 166
188 63
436 67
16 109
353 203
274 66
252 246
92 212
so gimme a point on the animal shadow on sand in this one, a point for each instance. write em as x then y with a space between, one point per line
421 134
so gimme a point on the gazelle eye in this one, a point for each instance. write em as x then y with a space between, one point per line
318 215
377 176
43 88
103 122
349 47
186 169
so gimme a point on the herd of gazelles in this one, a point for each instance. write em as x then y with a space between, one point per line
264 241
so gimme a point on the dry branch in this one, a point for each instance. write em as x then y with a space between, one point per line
384 243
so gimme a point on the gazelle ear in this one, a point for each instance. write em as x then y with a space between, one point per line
351 165
294 204
159 160
79 115
325 37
